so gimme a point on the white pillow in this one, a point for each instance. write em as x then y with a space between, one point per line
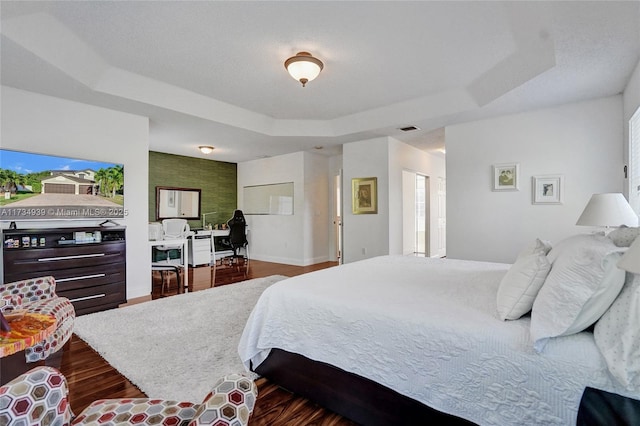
583 282
571 242
624 235
617 335
521 284
537 245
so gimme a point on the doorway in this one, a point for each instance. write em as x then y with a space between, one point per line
337 216
415 214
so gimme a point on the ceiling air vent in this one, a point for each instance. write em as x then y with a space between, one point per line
409 128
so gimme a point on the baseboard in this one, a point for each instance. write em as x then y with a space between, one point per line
290 261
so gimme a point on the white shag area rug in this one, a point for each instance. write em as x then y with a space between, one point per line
177 347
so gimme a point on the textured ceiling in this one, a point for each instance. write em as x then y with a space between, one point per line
211 72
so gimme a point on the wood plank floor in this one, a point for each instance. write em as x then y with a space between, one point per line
90 377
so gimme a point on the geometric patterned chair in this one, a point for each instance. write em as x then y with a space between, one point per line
40 397
38 295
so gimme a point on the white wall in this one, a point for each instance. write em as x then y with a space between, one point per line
369 235
317 190
47 125
365 235
301 238
582 141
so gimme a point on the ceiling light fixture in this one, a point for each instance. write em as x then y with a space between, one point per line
206 149
303 67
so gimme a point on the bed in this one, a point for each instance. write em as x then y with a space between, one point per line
409 337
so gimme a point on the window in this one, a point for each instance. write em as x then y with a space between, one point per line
634 161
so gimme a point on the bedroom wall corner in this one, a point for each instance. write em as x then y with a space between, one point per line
582 141
48 125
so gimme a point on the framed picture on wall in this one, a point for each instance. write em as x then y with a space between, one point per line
506 177
547 189
364 195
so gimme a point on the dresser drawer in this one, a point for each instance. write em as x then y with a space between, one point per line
71 279
97 298
76 277
32 261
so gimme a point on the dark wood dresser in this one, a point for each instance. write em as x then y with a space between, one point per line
88 263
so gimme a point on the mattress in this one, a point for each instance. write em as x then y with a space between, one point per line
428 329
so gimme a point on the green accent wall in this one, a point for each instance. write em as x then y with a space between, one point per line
217 180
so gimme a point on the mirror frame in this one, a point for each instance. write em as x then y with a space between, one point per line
173 188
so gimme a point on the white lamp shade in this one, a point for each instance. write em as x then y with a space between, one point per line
610 209
301 69
631 259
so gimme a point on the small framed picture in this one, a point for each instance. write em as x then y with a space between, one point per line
364 195
506 177
547 189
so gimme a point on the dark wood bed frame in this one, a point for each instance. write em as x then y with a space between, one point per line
354 397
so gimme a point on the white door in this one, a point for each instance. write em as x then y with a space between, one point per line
441 250
422 207
415 213
408 212
337 216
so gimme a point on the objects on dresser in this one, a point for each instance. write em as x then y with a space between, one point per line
40 396
88 263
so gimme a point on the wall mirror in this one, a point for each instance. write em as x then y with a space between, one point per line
274 198
183 203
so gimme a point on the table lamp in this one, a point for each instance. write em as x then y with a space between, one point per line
631 260
607 210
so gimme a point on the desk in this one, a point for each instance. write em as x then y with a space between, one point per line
25 332
216 234
184 254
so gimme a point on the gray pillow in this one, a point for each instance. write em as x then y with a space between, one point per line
624 235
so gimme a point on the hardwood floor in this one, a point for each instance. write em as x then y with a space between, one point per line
90 377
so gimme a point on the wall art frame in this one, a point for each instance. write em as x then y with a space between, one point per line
506 177
364 195
547 189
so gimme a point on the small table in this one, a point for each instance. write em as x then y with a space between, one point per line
184 254
25 332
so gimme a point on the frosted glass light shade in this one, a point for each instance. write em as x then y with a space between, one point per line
609 209
631 259
206 149
303 67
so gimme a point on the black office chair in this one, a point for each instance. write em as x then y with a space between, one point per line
238 234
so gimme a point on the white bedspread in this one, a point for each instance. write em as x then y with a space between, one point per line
428 329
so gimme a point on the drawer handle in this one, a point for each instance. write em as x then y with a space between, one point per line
95 296
83 277
78 256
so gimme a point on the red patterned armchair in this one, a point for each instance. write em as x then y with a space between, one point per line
38 295
40 397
